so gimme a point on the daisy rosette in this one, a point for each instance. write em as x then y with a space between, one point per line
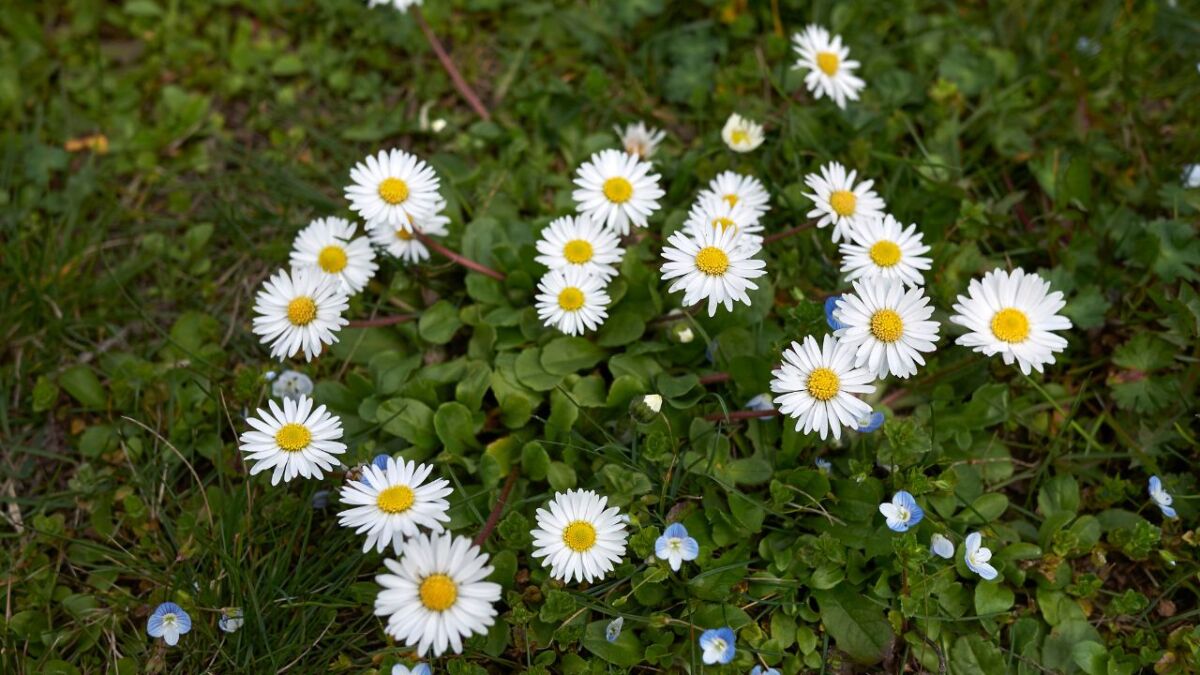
294 440
572 300
840 201
577 537
739 190
300 310
328 247
391 503
882 248
742 134
581 243
1012 314
400 241
391 186
887 326
827 60
639 139
436 595
717 214
817 385
617 189
711 263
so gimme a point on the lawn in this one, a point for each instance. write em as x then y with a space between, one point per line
158 160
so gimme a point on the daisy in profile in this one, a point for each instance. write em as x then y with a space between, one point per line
827 60
883 248
577 537
391 186
436 594
293 441
742 134
617 189
399 241
582 243
839 201
977 557
738 190
1161 497
328 247
639 139
711 263
717 645
715 213
572 300
168 622
902 512
817 384
888 327
675 546
1012 314
301 310
393 502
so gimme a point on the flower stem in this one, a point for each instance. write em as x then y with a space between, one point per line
494 517
465 262
448 64
383 321
714 378
740 415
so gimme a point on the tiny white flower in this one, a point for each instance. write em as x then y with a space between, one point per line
977 557
653 402
617 189
639 139
1013 314
827 60
742 134
839 201
572 300
941 546
685 334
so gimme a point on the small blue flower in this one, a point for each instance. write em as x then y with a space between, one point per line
823 465
419 669
320 499
717 644
830 306
292 385
762 402
710 352
168 622
871 423
675 546
977 557
758 670
231 619
941 547
1161 497
613 630
380 462
902 512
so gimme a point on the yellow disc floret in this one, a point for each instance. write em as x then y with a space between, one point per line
396 499
887 326
618 190
577 251
828 62
843 202
823 384
712 261
570 298
1010 325
302 310
579 536
332 259
885 253
393 191
293 437
438 592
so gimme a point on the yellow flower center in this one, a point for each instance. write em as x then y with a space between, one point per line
570 298
887 326
828 62
723 223
740 136
404 235
577 251
885 253
393 191
823 384
1010 325
332 259
396 499
438 592
293 437
843 202
712 261
731 198
579 536
302 311
618 190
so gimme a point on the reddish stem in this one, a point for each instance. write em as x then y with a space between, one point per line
714 378
787 233
383 321
740 415
465 262
494 516
448 64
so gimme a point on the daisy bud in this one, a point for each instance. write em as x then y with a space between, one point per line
646 408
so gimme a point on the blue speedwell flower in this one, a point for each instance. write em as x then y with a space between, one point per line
870 423
717 644
231 619
419 669
1161 497
762 402
902 512
941 547
830 305
823 465
168 622
977 557
613 630
380 462
292 385
675 546
758 670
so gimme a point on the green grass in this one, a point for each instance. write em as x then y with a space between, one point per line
127 280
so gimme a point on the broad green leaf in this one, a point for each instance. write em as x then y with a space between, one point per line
857 626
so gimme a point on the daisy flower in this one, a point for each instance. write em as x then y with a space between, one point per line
617 189
436 594
883 248
328 247
299 310
941 547
168 622
1161 497
717 645
577 537
392 502
887 326
711 263
291 384
294 441
977 557
391 186
639 139
675 546
827 60
613 630
399 241
572 300
1012 314
902 512
839 201
582 243
742 134
714 213
738 189
817 383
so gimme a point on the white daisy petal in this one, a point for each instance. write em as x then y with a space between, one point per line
585 542
816 385
1013 315
292 441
